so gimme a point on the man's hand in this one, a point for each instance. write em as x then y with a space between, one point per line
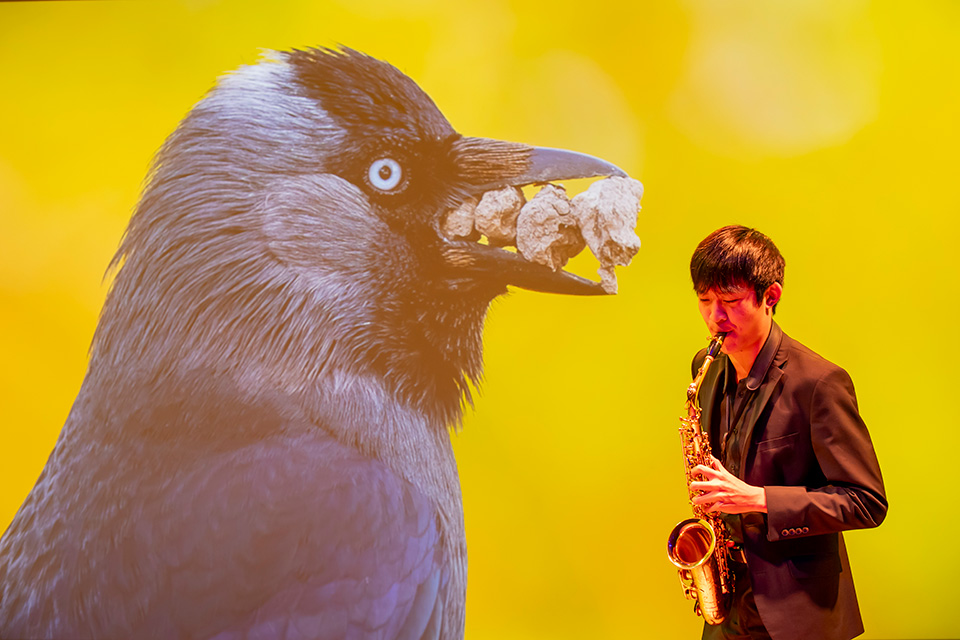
722 491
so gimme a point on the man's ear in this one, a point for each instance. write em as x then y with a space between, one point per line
772 295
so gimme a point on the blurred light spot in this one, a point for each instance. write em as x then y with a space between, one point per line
468 63
781 78
389 9
563 99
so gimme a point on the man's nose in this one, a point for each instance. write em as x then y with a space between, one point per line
717 313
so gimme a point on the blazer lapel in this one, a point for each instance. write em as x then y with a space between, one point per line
753 411
760 399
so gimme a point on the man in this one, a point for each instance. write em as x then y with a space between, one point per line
794 465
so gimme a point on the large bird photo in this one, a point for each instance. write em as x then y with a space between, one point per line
354 319
261 444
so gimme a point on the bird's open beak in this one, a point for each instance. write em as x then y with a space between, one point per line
547 165
493 164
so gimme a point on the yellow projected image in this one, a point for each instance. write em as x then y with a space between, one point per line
831 127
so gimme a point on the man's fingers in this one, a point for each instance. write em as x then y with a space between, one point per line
698 485
705 493
716 464
705 471
711 506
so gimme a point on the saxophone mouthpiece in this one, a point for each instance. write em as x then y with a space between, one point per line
715 343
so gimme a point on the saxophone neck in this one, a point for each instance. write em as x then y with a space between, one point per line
712 351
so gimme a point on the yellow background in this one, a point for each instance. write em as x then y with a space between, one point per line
830 125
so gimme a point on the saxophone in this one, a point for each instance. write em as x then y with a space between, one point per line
698 545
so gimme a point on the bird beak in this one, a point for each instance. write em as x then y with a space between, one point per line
487 164
482 262
548 165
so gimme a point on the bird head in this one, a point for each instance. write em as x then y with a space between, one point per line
290 230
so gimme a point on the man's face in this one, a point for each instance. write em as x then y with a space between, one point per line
737 313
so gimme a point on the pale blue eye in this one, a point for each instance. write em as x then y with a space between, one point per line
385 174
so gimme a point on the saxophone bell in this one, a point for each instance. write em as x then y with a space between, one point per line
691 548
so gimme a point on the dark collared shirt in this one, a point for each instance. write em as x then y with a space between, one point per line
735 400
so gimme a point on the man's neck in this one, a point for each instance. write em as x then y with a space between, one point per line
743 360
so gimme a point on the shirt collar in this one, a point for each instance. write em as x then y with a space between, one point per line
765 358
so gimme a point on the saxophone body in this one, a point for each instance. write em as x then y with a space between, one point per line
698 546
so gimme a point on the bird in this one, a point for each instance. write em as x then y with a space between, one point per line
261 444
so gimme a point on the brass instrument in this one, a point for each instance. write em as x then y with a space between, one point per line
698 545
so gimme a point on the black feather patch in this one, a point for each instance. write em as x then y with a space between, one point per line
367 95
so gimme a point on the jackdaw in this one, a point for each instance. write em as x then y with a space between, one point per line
261 444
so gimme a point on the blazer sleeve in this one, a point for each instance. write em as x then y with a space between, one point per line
853 496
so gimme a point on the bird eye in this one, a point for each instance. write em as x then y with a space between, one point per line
385 174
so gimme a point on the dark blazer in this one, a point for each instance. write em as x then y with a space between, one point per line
810 450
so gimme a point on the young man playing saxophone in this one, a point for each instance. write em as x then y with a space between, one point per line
794 465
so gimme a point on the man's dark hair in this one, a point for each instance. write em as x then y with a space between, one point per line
736 256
